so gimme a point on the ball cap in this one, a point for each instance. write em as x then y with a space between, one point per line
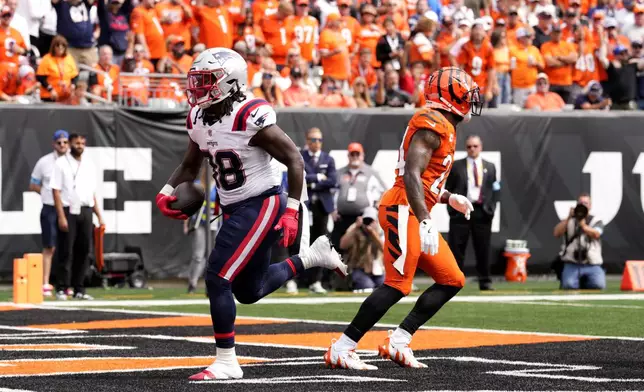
355 147
370 212
61 133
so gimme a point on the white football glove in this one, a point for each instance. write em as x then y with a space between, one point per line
462 204
428 237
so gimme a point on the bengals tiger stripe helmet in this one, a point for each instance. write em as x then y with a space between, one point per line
453 90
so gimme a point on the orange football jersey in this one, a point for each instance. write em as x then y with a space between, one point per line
306 29
439 164
586 68
477 61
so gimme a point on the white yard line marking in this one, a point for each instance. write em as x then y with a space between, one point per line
343 323
571 304
301 380
74 347
343 300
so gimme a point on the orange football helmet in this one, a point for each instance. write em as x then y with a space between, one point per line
453 90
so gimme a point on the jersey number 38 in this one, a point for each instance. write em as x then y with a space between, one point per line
228 170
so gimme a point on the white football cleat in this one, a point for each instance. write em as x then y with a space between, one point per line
322 254
219 371
400 354
291 287
348 359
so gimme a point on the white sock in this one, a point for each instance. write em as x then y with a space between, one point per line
345 343
226 355
400 336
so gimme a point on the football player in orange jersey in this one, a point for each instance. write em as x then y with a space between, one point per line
411 239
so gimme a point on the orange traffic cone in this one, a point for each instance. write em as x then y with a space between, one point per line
633 277
20 281
34 277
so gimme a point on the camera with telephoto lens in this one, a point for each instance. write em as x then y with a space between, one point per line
580 212
367 221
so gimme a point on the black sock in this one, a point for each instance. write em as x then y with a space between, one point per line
427 305
372 310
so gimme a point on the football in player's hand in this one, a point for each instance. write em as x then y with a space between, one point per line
190 198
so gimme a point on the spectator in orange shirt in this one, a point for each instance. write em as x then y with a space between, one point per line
9 81
350 26
279 35
27 78
250 33
176 18
306 29
370 32
476 57
560 57
502 90
364 69
544 100
331 96
391 46
107 81
298 95
216 25
333 50
293 59
179 62
134 88
13 44
526 62
147 28
251 58
512 25
269 91
447 37
57 72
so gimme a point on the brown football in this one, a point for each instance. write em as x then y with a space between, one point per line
190 198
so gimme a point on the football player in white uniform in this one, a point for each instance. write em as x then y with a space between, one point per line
240 137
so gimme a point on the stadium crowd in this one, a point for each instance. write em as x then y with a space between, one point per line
327 53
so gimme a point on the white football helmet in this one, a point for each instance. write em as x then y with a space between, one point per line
216 74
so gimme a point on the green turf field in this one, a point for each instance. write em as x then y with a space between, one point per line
587 317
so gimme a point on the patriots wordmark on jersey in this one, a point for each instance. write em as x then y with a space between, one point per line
241 171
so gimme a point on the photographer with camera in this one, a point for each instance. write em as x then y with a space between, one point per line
581 252
363 248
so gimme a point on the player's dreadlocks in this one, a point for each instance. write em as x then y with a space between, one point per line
222 109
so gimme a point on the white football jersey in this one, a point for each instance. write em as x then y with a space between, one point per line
240 171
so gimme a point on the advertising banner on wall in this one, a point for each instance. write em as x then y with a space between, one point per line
543 163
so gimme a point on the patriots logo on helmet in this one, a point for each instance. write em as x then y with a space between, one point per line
222 57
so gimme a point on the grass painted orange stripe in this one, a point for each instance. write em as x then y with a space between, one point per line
180 321
102 365
423 339
8 308
45 347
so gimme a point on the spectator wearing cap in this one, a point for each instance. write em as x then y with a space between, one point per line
543 27
615 39
76 24
560 57
107 75
448 35
13 43
350 25
114 20
57 72
176 19
307 31
177 61
359 187
571 21
334 50
363 249
635 32
543 99
298 95
638 53
364 69
391 46
592 98
525 62
370 32
622 79
269 91
40 183
513 24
